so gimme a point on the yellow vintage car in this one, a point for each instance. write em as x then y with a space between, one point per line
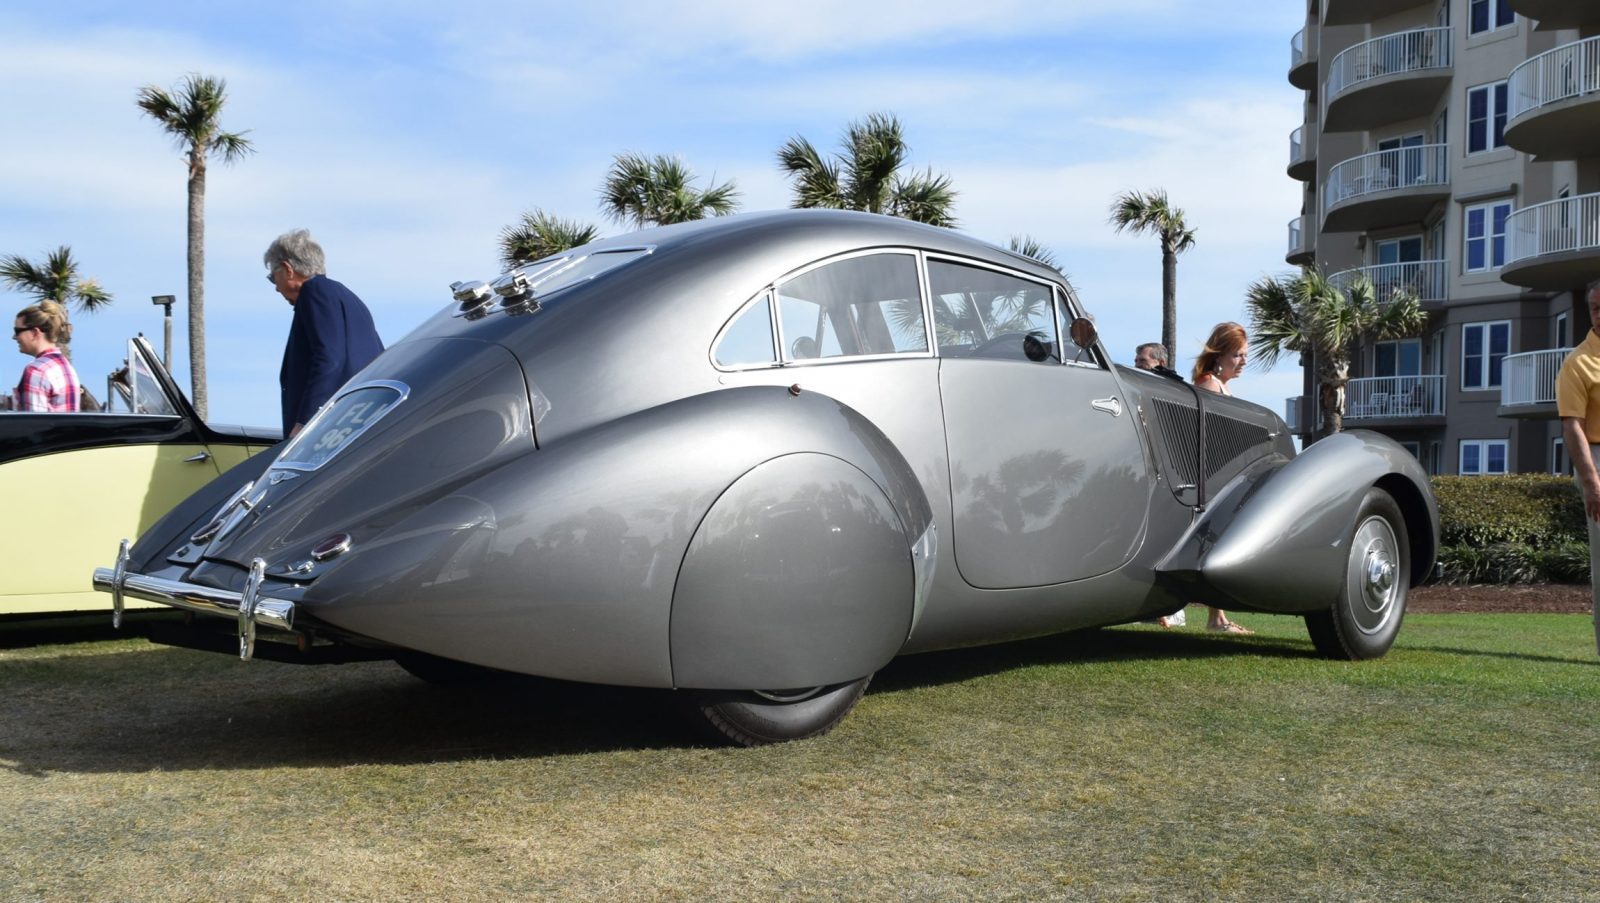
74 484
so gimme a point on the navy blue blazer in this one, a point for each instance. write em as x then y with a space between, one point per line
331 338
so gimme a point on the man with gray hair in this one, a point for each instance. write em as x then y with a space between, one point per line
1152 356
1578 404
332 335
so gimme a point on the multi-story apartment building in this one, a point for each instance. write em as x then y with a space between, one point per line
1453 147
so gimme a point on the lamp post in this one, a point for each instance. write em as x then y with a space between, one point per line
165 301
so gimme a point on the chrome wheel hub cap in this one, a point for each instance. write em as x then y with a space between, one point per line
1373 580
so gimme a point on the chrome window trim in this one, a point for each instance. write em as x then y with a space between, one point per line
316 419
772 330
781 353
1056 292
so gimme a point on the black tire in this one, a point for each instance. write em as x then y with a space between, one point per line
1364 619
756 718
445 672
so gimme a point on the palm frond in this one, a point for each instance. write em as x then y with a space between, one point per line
1031 247
874 149
1275 326
539 235
190 115
924 198
55 279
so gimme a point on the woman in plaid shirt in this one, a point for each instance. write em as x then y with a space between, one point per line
48 382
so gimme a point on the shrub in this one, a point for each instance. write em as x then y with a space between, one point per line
1524 509
1566 562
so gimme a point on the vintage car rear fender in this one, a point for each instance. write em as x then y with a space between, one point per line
800 575
1285 522
563 562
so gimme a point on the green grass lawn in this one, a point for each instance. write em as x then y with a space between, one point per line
1122 764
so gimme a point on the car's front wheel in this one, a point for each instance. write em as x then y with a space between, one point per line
758 717
1366 615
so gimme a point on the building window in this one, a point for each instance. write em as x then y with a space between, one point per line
1558 458
1486 117
1487 15
1483 349
1563 334
1415 448
1399 358
1482 456
1486 236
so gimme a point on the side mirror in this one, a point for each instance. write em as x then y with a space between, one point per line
1083 332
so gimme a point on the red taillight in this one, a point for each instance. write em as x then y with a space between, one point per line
337 544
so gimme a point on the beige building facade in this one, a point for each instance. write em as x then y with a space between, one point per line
1452 148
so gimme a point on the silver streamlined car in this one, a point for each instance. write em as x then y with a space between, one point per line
758 457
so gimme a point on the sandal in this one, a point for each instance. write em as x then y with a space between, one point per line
1230 627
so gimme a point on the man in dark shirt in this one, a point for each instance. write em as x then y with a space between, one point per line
332 335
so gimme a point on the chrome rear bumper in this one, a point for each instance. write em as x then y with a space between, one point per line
249 608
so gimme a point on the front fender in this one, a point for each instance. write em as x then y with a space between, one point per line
1274 538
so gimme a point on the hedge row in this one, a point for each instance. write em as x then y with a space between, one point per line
1566 562
1539 510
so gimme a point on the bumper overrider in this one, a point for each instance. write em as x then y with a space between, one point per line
249 608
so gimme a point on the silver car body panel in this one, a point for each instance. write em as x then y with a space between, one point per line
574 489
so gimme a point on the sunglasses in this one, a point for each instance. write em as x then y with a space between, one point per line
19 330
272 272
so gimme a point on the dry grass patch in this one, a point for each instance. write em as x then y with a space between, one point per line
1120 764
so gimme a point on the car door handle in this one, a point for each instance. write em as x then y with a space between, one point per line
197 458
1112 405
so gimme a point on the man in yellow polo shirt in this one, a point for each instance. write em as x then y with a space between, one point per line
1578 403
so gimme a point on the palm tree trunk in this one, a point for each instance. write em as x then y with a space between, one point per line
1169 300
1331 381
197 281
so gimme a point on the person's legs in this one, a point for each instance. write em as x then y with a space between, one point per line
1594 564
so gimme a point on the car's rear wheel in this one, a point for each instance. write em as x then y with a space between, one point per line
758 717
1366 615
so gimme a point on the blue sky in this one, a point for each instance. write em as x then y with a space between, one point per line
405 136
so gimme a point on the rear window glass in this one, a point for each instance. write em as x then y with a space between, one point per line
555 273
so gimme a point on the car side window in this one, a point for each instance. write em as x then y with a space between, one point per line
979 312
857 306
748 340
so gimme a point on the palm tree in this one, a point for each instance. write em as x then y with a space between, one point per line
55 279
1142 212
656 191
1031 247
865 175
189 114
1307 313
539 235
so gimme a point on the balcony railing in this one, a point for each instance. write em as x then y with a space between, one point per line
1423 278
1407 51
1295 145
1379 397
1298 246
1554 227
1567 71
1387 170
1530 378
1297 48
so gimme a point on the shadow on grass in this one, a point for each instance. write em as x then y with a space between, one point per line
30 631
171 709
1084 646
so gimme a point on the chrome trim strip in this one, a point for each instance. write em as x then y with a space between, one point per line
205 600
